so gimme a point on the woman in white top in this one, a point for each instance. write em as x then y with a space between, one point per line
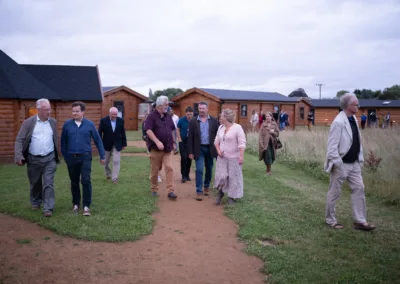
230 144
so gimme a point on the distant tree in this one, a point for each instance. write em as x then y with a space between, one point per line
366 94
392 93
341 93
298 93
170 93
150 93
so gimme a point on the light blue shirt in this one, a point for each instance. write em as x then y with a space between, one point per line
113 124
204 131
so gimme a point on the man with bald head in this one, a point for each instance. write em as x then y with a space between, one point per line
344 158
112 133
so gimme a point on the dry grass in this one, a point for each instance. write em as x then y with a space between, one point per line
307 150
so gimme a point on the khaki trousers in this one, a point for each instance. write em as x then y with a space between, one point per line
157 159
116 158
351 173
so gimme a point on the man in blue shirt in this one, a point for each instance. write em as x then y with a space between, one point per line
182 131
76 148
363 120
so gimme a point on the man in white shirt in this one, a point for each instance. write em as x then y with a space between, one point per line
254 120
37 146
175 119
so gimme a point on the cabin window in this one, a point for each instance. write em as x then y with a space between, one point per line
243 110
302 113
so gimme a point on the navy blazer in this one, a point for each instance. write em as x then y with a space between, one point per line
112 138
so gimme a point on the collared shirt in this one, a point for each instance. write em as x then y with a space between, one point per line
183 125
175 119
204 131
162 128
77 140
113 124
42 139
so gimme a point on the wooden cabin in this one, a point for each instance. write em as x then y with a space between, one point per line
242 102
325 111
21 85
127 102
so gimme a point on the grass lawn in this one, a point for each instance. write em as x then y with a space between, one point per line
134 135
133 149
288 208
120 212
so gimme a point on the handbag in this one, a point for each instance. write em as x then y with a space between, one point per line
278 143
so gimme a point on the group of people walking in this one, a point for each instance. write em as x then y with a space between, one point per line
202 138
37 146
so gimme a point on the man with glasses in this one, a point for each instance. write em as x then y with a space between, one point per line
343 161
36 145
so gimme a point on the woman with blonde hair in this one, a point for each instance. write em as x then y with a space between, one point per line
267 141
230 143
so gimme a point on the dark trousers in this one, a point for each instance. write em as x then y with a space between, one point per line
186 163
204 160
363 124
79 169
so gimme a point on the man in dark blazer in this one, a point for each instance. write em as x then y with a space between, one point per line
112 133
202 132
37 146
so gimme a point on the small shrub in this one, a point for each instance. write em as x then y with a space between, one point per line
372 161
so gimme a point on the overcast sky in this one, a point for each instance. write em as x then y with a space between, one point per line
263 45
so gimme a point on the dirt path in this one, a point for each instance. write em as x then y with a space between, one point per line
192 242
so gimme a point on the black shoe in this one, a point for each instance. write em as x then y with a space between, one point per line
188 179
183 180
172 195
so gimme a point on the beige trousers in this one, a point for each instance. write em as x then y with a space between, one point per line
157 159
351 173
116 157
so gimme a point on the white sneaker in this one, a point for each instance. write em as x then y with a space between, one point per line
159 179
86 211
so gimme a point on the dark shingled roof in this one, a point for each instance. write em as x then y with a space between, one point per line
17 83
247 95
54 82
363 103
72 83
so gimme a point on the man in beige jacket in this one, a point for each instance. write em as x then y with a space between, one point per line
343 161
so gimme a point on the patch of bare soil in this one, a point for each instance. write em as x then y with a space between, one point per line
192 242
140 144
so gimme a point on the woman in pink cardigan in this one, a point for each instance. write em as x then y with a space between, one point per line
230 144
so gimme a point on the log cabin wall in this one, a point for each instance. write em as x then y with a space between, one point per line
302 110
195 98
131 107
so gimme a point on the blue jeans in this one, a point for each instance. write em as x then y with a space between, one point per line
282 125
206 160
79 168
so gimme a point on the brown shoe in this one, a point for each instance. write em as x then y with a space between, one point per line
364 226
115 181
47 214
199 196
206 191
108 178
35 207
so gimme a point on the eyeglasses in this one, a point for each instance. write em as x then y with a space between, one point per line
45 109
356 105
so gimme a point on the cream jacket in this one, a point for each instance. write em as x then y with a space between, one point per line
339 142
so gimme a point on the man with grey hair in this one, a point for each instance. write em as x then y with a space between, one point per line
159 128
113 136
343 161
37 146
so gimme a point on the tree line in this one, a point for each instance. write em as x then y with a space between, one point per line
391 93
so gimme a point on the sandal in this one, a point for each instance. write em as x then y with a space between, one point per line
336 226
364 226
